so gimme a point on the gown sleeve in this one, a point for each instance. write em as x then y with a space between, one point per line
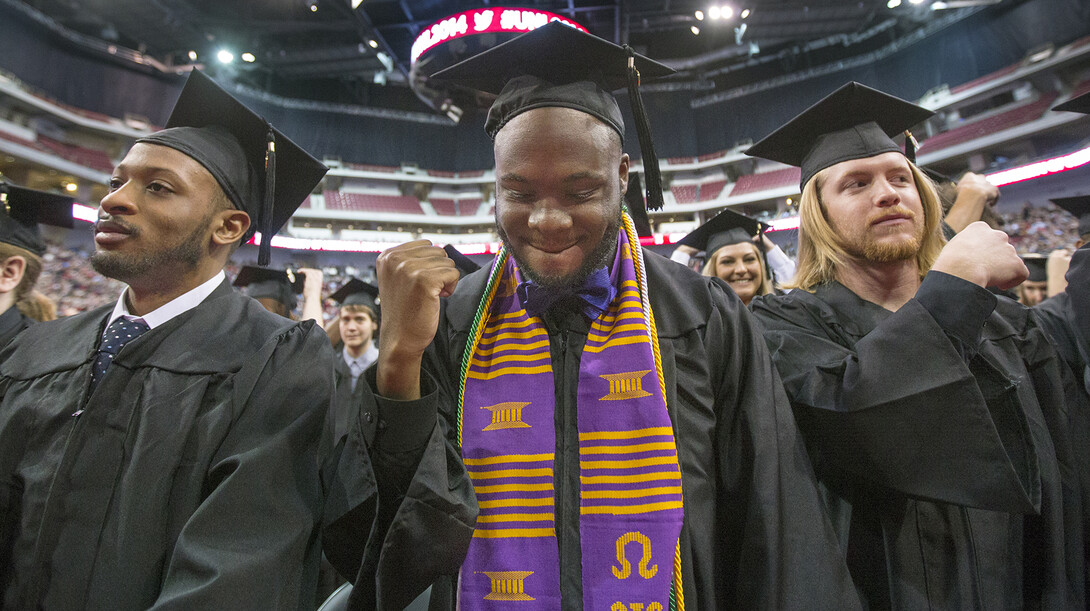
252 541
901 407
417 525
1078 288
779 548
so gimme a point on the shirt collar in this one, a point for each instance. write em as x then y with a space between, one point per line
179 305
369 356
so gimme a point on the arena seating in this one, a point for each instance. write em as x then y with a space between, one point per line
986 78
710 156
679 160
444 206
685 194
365 167
468 206
711 190
751 183
90 158
370 202
977 129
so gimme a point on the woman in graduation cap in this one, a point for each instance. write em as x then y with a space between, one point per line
21 250
729 242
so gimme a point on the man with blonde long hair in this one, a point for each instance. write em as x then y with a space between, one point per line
927 403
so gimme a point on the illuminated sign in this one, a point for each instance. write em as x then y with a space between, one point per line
1040 168
480 21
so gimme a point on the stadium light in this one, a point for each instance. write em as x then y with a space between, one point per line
892 4
356 4
225 56
745 13
713 12
726 12
248 58
695 30
314 7
192 56
70 187
699 15
373 43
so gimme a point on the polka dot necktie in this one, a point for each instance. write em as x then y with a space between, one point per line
119 333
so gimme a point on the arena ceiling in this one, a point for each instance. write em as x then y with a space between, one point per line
326 50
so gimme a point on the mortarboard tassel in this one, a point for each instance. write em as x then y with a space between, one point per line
264 252
910 146
643 131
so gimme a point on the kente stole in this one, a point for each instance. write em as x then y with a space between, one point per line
630 483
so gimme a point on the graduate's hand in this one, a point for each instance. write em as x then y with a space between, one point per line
312 283
411 279
982 256
977 186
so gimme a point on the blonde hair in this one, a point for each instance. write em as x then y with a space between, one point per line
764 288
820 250
30 302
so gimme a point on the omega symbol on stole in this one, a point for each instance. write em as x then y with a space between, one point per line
624 571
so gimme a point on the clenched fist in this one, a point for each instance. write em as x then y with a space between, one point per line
411 279
982 256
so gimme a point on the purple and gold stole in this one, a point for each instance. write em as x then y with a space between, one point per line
630 483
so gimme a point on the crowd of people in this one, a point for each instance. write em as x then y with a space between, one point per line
584 424
68 278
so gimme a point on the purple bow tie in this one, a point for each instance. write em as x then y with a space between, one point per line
596 293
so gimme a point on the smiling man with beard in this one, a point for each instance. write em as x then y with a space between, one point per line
162 452
933 410
594 426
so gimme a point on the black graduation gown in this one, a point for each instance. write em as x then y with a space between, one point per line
12 321
755 533
1066 317
941 436
190 480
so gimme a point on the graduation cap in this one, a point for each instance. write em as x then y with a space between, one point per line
558 65
22 209
464 264
853 122
1037 264
1079 207
1076 104
726 228
262 172
357 292
264 283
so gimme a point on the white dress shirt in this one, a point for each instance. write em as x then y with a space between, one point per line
179 305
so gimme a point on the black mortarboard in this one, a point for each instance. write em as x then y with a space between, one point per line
1076 104
1079 207
464 264
357 292
558 65
853 122
264 283
262 172
1037 265
726 228
22 209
